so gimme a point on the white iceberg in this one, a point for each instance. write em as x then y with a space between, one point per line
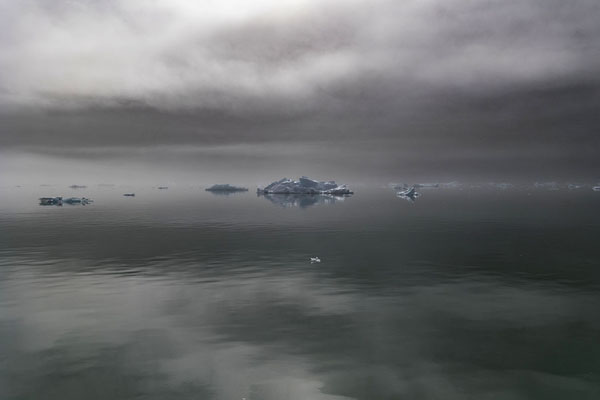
408 194
305 186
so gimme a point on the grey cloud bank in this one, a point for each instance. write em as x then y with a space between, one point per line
491 85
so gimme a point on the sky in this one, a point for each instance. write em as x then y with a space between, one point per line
176 90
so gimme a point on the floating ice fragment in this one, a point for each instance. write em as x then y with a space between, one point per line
408 194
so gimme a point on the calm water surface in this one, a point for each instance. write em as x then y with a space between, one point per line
182 294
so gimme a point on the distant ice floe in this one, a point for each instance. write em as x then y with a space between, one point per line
129 194
404 186
501 185
78 186
546 185
305 185
596 188
226 188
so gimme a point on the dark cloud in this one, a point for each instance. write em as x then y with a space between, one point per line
452 82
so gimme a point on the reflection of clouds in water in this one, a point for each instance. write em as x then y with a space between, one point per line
283 335
301 200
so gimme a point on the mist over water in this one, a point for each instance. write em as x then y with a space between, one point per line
179 293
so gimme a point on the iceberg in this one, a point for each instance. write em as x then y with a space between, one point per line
226 188
596 188
77 186
408 194
305 185
129 194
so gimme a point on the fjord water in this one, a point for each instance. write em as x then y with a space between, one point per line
183 294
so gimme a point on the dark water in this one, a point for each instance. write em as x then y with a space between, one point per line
181 294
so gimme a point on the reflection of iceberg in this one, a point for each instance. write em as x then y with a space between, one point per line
77 200
59 201
301 200
305 186
226 188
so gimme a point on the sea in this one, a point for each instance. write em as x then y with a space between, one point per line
466 292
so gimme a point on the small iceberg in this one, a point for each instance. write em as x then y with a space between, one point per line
315 260
596 188
426 185
225 187
78 186
162 187
408 194
305 185
129 194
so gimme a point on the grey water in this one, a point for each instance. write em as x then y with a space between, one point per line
465 293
